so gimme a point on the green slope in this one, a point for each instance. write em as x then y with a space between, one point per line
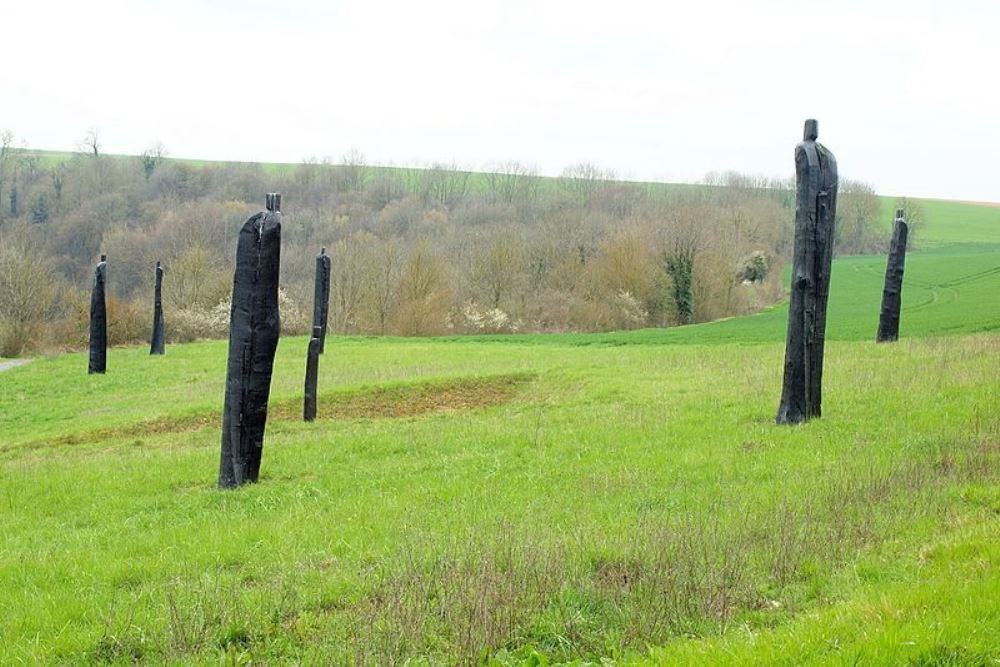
950 286
947 290
952 222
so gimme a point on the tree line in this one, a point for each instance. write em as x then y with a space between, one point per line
415 251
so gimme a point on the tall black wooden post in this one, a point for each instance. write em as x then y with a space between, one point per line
98 360
892 293
321 296
254 327
158 339
312 375
815 212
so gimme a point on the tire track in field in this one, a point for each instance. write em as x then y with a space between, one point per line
948 292
943 292
972 277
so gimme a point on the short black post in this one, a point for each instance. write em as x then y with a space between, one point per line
254 327
98 360
892 293
157 341
815 212
321 296
312 375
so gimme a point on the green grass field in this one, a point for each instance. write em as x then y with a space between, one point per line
530 499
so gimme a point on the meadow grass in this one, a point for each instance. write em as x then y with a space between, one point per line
621 496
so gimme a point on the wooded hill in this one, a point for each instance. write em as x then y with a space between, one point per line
415 251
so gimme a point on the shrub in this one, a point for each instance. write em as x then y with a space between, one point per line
189 324
127 322
631 311
295 321
27 291
754 268
472 318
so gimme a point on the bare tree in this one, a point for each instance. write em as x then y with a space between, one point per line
497 266
505 179
347 281
6 162
627 264
445 185
916 217
381 280
354 170
196 280
584 179
58 181
150 158
857 227
91 143
27 291
422 292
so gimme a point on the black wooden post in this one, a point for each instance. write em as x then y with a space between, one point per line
892 293
158 339
815 212
312 375
98 359
254 327
321 296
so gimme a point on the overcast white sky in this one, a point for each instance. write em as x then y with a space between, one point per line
907 92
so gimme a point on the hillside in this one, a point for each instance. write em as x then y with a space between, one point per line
414 251
530 498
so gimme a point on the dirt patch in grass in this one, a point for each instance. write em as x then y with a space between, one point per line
378 402
408 400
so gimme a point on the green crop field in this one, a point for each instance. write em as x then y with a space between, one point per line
530 499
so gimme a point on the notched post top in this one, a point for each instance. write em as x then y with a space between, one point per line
811 130
900 215
272 201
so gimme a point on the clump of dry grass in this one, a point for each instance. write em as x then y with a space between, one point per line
691 573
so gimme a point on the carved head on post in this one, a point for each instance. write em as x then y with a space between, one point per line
811 130
104 258
272 201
